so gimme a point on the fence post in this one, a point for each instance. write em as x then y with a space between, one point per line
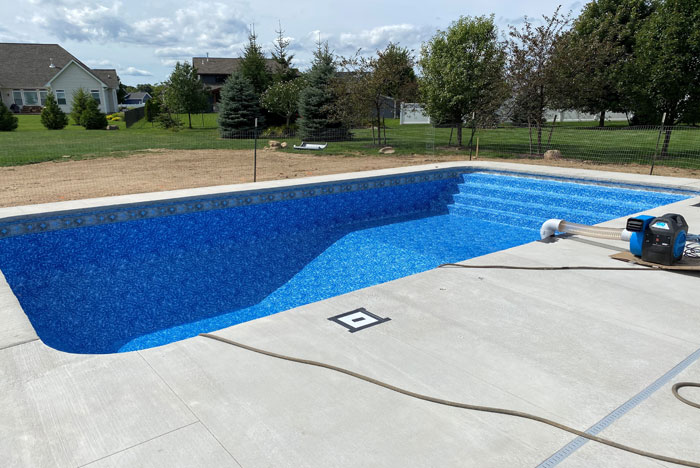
661 130
255 151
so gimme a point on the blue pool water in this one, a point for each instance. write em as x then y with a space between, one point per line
138 284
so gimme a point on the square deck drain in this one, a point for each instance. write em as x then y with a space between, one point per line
358 319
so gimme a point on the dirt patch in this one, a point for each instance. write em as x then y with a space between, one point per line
158 170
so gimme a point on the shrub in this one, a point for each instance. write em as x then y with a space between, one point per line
167 121
280 131
80 102
151 109
52 117
92 118
8 122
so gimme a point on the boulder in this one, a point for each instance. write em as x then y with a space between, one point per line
552 154
112 127
284 144
274 144
386 150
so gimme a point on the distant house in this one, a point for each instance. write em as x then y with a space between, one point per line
213 72
29 71
136 99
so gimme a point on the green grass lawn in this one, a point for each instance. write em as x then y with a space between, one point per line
31 142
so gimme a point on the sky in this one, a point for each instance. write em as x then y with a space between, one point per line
142 40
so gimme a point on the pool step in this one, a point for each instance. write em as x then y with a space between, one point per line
552 208
496 216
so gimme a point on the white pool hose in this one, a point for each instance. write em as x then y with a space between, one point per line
551 226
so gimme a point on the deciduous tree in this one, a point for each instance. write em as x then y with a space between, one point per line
463 72
282 98
531 71
185 92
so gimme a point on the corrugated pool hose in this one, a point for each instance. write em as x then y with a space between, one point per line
486 409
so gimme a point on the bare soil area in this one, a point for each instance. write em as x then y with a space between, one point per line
159 170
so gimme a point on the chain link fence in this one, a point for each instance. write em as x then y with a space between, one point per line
38 165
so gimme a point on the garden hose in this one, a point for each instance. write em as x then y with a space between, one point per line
486 409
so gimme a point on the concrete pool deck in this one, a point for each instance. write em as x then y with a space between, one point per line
572 346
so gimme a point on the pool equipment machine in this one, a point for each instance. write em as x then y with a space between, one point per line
660 240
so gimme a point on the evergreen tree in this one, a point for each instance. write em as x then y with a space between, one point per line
254 65
52 117
284 71
151 109
92 118
317 99
239 106
8 122
80 102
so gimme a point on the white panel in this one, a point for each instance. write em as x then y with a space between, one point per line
72 79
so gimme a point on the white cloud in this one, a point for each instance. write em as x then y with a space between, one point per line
131 71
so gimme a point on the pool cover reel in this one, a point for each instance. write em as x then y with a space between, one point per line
660 240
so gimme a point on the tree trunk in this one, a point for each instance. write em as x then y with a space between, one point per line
286 126
459 135
601 122
539 137
189 117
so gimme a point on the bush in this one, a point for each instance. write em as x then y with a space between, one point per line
167 121
52 117
8 122
80 102
280 131
151 110
92 118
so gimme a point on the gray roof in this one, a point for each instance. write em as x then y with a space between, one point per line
28 65
137 95
224 66
108 76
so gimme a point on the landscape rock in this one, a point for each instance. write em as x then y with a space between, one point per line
112 127
387 150
284 144
552 154
274 144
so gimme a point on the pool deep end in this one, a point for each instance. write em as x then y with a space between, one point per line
125 286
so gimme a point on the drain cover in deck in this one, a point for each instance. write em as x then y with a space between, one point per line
358 319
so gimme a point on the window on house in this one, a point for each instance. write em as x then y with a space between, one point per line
61 96
95 94
17 96
30 97
42 97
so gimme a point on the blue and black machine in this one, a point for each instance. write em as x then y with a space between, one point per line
658 239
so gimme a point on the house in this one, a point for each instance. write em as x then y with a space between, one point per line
136 99
213 71
30 71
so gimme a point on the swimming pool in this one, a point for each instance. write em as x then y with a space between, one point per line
115 280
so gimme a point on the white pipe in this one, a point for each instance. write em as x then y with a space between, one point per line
551 226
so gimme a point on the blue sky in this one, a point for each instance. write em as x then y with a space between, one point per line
143 40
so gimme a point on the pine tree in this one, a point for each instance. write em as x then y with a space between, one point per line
317 98
80 102
254 65
92 118
239 106
8 122
52 117
284 71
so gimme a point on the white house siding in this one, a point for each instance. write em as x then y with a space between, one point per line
74 78
6 94
413 113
